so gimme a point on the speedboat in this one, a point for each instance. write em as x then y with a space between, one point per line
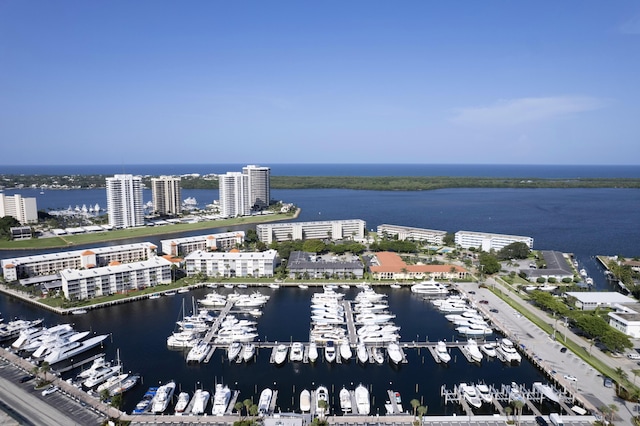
395 355
145 403
345 351
221 400
362 400
305 401
361 352
484 393
507 352
442 352
281 354
330 352
313 352
183 401
322 401
297 352
470 395
163 397
514 392
378 356
547 391
345 400
264 404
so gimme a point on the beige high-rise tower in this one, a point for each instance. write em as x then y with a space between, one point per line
167 195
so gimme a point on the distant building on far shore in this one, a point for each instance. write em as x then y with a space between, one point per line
124 201
24 209
259 185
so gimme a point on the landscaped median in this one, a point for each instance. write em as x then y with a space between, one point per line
145 231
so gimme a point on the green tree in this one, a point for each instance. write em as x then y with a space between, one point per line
517 406
253 410
314 246
238 407
489 263
247 405
45 368
616 341
516 250
104 395
415 404
6 223
116 401
422 410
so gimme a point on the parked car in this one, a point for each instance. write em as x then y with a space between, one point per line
494 310
25 379
570 378
608 383
633 355
541 421
484 302
563 349
48 391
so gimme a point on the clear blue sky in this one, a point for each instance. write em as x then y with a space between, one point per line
520 82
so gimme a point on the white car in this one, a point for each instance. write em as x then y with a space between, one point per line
49 390
633 355
571 378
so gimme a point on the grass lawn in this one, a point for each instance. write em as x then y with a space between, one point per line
121 234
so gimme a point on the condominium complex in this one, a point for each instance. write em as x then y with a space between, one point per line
416 234
234 194
124 201
208 242
232 264
487 242
166 195
259 186
390 266
24 209
52 263
332 229
78 284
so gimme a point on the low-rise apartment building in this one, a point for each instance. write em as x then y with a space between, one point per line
208 242
390 266
232 264
309 265
488 241
429 236
330 229
80 284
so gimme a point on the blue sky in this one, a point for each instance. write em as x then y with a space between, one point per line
509 82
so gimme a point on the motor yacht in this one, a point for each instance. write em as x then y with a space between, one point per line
313 351
345 400
183 401
514 393
97 363
378 356
112 382
200 401
182 339
12 329
213 299
547 391
163 397
395 354
297 352
281 354
362 400
101 374
305 401
234 350
330 352
345 351
248 351
361 352
198 352
322 401
67 351
471 351
507 352
470 395
442 352
124 385
489 349
221 399
484 392
429 288
264 404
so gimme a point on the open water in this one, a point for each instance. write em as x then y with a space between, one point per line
585 222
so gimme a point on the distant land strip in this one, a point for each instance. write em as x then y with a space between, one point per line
373 183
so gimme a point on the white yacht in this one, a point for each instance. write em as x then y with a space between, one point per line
248 351
470 395
378 356
507 352
182 339
471 351
305 401
297 352
264 404
489 349
62 353
281 354
221 399
430 288
183 401
362 400
313 352
547 391
97 363
112 382
330 352
514 393
200 400
442 352
322 394
101 374
484 393
345 400
395 354
234 350
361 352
345 351
163 397
213 299
199 352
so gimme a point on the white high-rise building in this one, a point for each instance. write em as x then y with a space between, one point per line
25 210
166 195
234 194
259 186
124 201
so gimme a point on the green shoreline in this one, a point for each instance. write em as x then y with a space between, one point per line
147 231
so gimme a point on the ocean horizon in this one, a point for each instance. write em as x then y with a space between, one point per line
344 169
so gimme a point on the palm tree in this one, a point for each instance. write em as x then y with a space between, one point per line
323 405
605 411
238 406
247 404
621 373
45 368
507 411
253 410
517 405
422 410
415 404
613 408
104 395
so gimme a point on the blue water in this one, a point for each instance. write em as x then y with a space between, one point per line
479 170
585 222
